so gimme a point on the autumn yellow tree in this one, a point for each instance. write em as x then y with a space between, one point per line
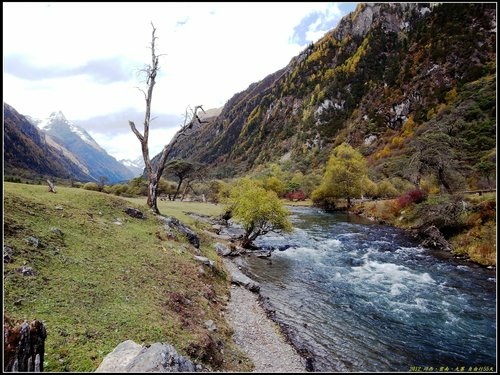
343 178
259 210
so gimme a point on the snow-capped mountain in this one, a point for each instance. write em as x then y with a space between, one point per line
57 124
57 118
136 165
78 142
30 152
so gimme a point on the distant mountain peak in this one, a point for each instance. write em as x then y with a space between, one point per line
136 166
58 116
57 124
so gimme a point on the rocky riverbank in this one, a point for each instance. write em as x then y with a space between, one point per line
256 334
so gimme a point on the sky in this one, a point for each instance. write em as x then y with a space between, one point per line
84 59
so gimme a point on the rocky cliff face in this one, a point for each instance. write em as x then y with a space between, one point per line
378 81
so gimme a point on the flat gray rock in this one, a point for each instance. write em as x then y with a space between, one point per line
120 357
158 357
238 277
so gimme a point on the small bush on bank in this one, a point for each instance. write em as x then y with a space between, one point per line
411 197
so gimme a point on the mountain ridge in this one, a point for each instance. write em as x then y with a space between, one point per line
28 152
76 150
384 69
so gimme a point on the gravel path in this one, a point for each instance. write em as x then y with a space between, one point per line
257 335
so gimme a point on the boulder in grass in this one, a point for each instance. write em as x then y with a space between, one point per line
134 212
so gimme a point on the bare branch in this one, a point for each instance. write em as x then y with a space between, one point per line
143 92
187 118
163 158
136 132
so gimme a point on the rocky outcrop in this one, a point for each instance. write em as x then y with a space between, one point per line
158 357
134 212
175 224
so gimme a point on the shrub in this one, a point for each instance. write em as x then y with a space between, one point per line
430 185
297 195
274 184
91 186
412 197
386 189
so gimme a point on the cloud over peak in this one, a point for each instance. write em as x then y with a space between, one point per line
106 70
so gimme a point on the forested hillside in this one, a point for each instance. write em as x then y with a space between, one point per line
410 86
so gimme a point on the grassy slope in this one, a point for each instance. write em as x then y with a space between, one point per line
102 283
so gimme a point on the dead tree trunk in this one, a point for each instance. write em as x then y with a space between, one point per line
154 174
52 188
181 180
187 186
24 346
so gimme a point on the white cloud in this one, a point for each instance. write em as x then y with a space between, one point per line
211 51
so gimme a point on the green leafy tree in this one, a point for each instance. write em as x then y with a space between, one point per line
343 179
182 169
166 187
486 167
259 210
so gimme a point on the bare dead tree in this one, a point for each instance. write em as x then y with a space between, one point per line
52 188
191 118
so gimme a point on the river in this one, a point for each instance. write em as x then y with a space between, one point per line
365 297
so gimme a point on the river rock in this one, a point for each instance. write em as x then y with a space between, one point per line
262 253
234 231
222 249
158 357
237 277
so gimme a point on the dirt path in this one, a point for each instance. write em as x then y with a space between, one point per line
257 335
